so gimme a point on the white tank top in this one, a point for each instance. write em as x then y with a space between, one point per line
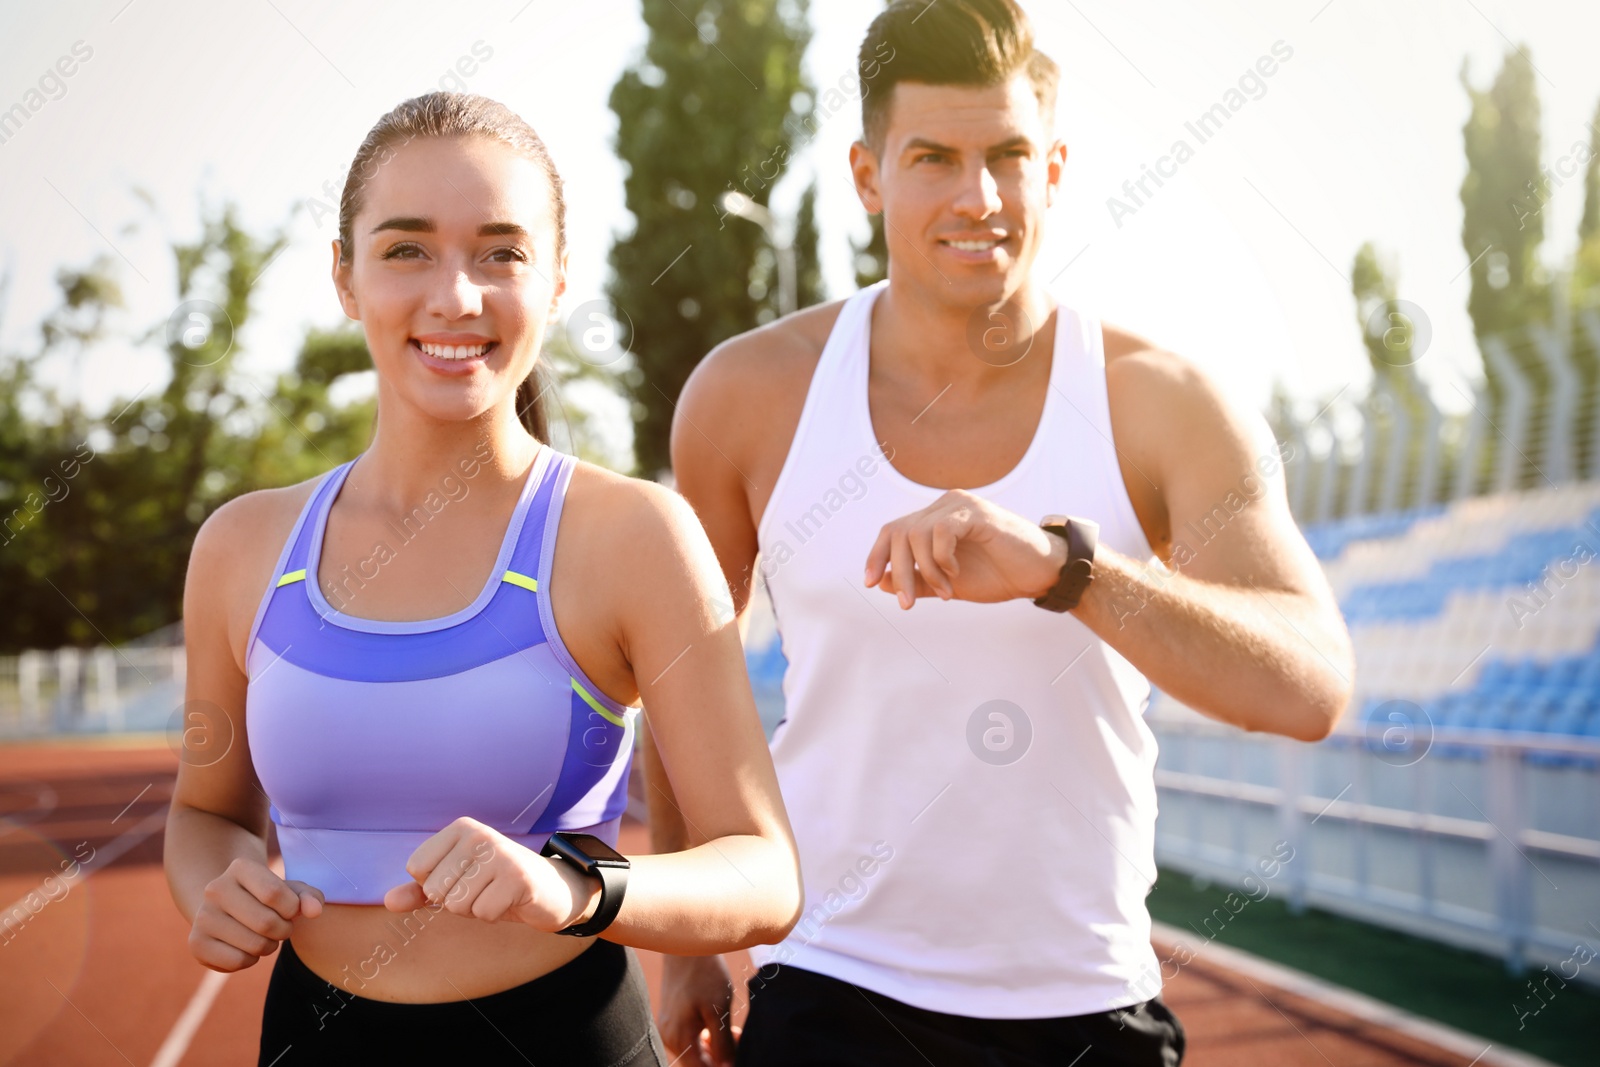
971 785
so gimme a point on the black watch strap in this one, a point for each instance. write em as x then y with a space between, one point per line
1082 538
613 881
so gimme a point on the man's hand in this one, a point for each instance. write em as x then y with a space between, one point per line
696 1008
962 547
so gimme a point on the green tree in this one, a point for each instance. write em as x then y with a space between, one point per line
710 107
1586 270
100 512
1383 326
809 288
872 258
1502 197
1584 293
1390 333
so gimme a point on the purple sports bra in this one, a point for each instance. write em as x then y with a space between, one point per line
370 736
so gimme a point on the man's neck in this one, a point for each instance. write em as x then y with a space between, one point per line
919 338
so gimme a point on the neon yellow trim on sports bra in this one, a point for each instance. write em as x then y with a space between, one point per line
293 576
531 584
605 712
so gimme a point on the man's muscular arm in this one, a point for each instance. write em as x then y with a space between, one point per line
1247 629
1244 629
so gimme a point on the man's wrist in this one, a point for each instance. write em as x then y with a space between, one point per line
1080 538
1054 558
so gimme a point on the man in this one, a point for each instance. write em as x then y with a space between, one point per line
968 772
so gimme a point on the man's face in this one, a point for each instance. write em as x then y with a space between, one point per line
964 179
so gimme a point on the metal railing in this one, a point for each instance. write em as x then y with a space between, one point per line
1395 449
1482 839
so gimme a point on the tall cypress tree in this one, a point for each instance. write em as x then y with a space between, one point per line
710 107
1395 341
1585 292
809 288
1502 197
1586 274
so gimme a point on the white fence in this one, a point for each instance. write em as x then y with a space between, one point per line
1482 839
1394 449
72 690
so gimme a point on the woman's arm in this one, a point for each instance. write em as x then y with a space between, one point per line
649 585
738 883
215 854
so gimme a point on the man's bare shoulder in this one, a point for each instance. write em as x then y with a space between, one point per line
739 411
771 360
1170 396
1169 414
1125 346
1156 380
1170 420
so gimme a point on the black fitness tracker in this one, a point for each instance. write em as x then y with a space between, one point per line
1082 537
592 856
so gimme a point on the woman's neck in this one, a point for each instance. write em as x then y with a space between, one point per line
412 453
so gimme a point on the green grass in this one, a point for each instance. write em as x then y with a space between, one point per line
1463 989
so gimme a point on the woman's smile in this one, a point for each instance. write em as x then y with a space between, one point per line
454 354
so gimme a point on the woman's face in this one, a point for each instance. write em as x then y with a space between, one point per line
453 274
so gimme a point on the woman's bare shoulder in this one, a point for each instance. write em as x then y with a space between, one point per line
621 501
235 551
633 524
638 553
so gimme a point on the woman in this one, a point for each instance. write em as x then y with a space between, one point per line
430 660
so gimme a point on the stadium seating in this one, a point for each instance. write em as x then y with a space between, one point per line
1485 614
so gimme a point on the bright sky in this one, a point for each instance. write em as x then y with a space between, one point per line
1240 260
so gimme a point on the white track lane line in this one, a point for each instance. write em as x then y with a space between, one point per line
194 1013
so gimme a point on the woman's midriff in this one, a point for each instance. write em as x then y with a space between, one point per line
425 956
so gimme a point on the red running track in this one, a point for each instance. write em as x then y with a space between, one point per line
102 973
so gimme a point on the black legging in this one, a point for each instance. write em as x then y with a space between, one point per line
591 1012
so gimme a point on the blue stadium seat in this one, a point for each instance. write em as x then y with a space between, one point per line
1563 673
1449 710
1526 675
1532 716
1570 716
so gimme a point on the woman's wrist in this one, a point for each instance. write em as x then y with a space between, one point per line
584 889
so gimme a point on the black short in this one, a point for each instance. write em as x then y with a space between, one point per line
803 1019
594 1010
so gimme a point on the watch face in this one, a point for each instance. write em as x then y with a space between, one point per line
597 850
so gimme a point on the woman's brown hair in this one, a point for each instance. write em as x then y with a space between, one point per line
458 115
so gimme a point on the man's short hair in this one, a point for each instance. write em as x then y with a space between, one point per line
976 43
